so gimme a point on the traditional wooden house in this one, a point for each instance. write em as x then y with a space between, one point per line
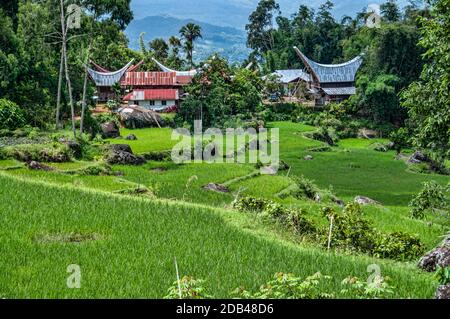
152 90
331 82
292 81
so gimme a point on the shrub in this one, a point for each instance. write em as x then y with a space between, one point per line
379 288
11 116
306 188
324 134
291 218
3 154
93 170
162 156
250 204
288 286
40 153
352 231
107 117
397 245
442 275
189 288
432 197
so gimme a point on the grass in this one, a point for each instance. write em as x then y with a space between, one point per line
131 243
138 238
148 140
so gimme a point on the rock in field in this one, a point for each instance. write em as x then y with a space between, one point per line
110 130
131 137
362 200
418 157
122 154
217 188
308 158
39 166
443 292
440 256
138 117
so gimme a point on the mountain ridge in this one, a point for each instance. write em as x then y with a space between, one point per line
228 41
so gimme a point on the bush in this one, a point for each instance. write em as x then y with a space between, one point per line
290 218
93 170
433 197
107 117
288 286
398 246
11 116
189 288
161 156
379 288
306 188
40 153
251 204
352 231
324 134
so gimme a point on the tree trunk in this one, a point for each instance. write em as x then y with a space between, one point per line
66 66
58 97
83 100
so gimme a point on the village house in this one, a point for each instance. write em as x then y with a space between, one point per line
324 83
158 91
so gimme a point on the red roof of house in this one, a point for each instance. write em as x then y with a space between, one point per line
152 94
183 79
149 78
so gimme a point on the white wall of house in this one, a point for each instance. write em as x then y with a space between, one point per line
158 104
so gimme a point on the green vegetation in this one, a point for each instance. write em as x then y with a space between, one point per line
363 184
225 249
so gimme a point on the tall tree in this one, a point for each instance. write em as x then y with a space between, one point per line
428 100
102 12
390 11
160 49
64 30
260 28
190 32
174 59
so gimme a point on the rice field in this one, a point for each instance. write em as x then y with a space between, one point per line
125 245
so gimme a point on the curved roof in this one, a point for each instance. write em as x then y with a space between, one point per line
178 73
108 78
288 76
332 73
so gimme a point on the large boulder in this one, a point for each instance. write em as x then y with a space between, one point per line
36 166
362 200
419 157
367 133
138 117
122 154
131 137
443 292
110 130
217 188
440 256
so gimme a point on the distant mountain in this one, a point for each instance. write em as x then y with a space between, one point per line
227 41
235 13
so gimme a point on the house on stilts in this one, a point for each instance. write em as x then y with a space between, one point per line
158 91
324 83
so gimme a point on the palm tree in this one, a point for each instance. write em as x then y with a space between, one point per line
190 32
